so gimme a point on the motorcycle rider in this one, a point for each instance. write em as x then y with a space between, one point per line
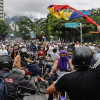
82 84
20 61
13 81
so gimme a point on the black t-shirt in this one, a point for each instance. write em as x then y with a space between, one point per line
82 84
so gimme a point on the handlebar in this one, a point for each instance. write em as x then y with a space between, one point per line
48 60
21 91
27 90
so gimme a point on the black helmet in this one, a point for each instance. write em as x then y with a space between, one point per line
82 57
5 61
54 50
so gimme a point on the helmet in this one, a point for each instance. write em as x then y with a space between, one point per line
20 46
16 47
54 50
69 49
23 51
72 44
85 44
7 45
82 57
63 51
5 61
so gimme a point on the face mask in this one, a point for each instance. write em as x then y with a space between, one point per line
69 56
63 58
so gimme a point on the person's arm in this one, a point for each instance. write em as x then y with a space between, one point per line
51 89
30 61
70 64
38 53
47 46
56 59
58 86
48 58
55 68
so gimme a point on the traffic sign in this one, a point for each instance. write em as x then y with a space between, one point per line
71 25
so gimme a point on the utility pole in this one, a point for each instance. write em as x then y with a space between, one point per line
81 33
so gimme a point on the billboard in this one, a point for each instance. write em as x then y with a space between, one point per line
86 12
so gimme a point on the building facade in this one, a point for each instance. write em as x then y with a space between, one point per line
1 9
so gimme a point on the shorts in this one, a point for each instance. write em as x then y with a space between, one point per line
18 71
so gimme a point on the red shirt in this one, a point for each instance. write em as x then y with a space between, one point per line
43 53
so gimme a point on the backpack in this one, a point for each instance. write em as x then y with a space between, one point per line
3 87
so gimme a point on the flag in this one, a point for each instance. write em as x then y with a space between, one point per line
68 13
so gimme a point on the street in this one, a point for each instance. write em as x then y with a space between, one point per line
37 97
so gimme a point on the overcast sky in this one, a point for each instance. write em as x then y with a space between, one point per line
38 8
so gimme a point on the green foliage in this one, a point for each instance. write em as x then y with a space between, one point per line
4 27
25 27
41 28
56 27
52 26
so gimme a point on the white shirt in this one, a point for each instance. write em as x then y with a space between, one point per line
3 52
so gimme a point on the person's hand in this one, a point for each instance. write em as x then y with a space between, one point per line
24 58
22 68
50 74
49 59
57 95
37 61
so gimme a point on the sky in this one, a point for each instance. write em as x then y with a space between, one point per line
38 8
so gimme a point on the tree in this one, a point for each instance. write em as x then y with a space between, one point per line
25 27
57 27
41 28
4 27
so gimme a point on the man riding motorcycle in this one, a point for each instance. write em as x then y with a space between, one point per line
13 81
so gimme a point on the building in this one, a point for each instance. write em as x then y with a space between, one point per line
1 9
14 26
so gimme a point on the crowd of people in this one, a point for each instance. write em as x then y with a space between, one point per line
77 67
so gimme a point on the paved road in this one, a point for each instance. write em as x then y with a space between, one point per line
37 97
